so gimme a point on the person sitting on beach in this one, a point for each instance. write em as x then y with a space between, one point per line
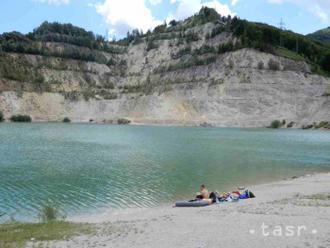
204 193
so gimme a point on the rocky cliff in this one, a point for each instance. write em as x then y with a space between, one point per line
165 82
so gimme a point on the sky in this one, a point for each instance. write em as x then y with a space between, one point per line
113 18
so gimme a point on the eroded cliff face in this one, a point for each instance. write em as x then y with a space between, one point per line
162 86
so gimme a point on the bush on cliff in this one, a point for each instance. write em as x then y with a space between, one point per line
20 118
323 124
261 65
290 125
275 124
66 120
1 117
325 62
123 121
273 65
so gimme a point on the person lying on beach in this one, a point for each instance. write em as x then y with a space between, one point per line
204 198
203 194
231 196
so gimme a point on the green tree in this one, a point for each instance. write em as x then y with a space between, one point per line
275 124
66 120
325 62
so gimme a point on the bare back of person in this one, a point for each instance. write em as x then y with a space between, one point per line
204 193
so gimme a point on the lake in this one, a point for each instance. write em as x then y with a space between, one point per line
85 168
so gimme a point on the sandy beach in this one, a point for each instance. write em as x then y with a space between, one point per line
289 213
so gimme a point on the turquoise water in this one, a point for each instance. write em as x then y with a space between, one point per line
85 168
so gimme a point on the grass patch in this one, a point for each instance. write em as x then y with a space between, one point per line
283 52
88 94
194 61
17 234
50 213
322 197
151 45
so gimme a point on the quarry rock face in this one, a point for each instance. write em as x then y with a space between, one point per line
161 86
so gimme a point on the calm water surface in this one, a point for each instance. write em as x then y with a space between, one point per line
85 168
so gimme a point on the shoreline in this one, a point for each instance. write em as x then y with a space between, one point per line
182 125
302 201
97 215
109 213
299 202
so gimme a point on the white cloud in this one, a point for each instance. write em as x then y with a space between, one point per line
187 8
276 1
234 2
155 2
124 15
319 8
222 9
54 2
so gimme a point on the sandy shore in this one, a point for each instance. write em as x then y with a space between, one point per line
290 213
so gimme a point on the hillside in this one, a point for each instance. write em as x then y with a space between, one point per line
205 69
322 35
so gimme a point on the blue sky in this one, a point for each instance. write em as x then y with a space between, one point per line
115 17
